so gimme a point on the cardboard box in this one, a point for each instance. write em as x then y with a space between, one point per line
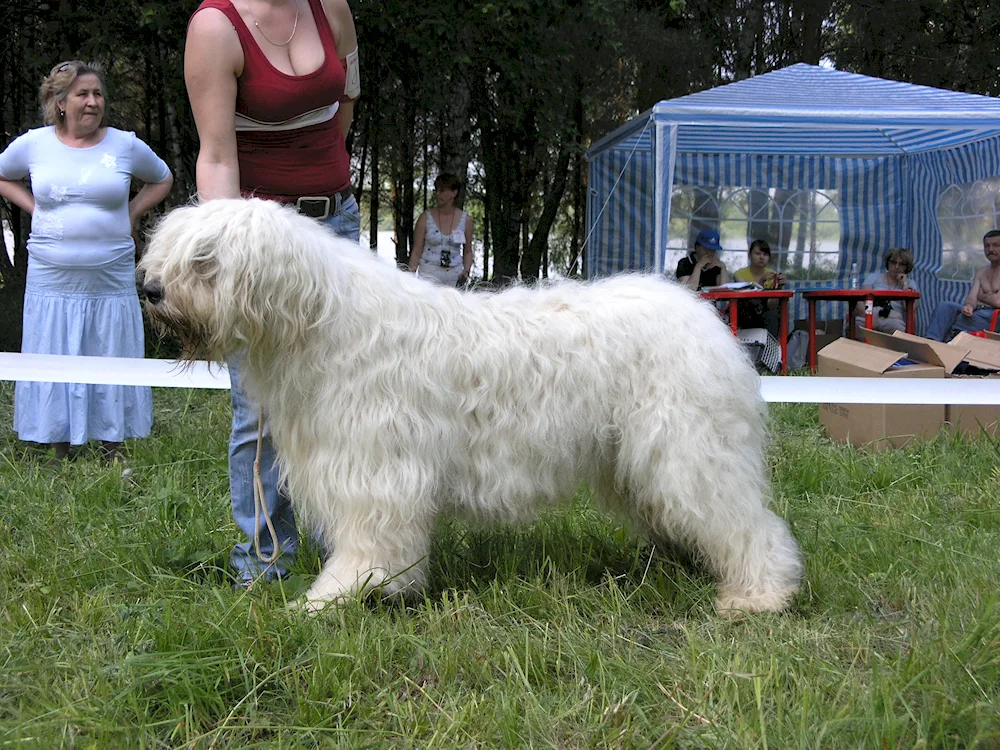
967 419
885 425
983 353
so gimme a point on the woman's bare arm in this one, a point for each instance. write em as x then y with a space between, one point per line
213 58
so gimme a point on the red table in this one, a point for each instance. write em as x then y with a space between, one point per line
733 296
812 296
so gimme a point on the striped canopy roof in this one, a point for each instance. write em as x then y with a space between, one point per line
806 109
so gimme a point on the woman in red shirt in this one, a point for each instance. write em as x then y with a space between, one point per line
272 85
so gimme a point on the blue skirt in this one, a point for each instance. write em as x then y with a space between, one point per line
89 312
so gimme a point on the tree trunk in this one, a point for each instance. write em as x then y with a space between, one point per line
487 237
374 196
14 272
147 110
536 249
175 151
403 169
814 12
579 210
503 185
760 225
748 40
359 186
12 289
455 150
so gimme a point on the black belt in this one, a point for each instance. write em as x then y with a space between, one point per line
321 206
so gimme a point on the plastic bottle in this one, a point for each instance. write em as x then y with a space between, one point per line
855 279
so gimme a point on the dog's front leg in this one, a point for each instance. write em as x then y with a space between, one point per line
384 555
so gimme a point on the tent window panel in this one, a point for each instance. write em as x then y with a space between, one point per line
801 226
966 212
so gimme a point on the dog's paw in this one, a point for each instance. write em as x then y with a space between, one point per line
733 605
310 606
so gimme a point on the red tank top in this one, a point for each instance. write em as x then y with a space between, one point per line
283 165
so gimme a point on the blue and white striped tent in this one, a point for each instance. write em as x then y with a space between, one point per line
887 148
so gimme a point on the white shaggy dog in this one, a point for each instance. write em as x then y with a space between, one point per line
391 400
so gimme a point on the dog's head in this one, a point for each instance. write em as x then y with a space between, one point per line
235 274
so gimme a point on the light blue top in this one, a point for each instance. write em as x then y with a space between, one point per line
877 280
81 194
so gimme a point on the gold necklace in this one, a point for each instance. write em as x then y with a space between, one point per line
295 25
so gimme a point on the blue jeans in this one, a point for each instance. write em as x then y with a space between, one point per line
345 222
948 315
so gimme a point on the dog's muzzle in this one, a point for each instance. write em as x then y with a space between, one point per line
151 293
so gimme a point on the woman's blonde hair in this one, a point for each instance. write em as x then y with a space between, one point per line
56 85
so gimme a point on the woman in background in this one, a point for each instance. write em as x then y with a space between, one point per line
890 315
442 238
80 295
760 313
758 272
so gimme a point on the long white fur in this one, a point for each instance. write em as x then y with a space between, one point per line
391 399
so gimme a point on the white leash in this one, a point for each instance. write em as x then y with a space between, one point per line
260 502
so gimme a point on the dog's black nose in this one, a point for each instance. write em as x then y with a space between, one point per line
152 293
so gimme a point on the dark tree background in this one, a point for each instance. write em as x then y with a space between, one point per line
508 94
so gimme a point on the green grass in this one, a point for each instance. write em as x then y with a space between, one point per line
118 627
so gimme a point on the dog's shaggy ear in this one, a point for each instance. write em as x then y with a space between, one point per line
275 278
183 247
204 267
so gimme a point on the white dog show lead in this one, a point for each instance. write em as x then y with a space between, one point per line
260 502
162 373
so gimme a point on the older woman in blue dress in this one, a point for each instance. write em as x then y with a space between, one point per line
80 295
442 239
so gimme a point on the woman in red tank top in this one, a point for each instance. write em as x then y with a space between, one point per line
268 90
272 84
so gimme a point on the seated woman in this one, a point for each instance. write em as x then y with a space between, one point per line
889 316
701 267
760 313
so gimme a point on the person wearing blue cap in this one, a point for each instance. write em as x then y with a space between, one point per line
702 267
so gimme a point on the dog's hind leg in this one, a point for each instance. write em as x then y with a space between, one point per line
748 547
717 507
758 566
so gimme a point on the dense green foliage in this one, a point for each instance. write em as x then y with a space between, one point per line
118 627
507 93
